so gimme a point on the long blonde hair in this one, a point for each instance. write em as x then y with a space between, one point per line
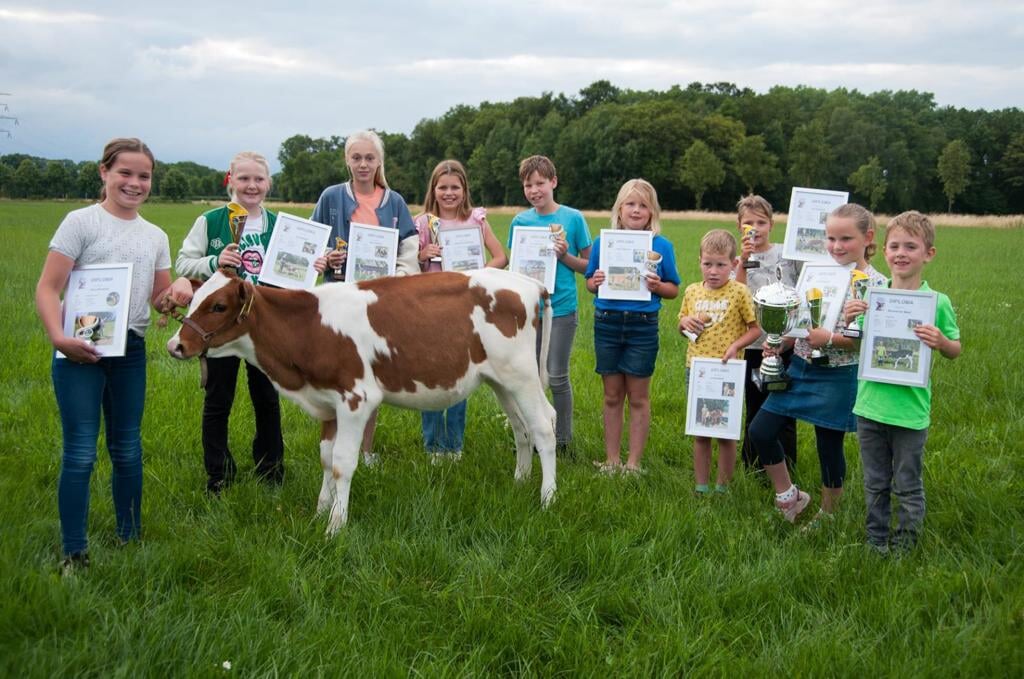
646 192
378 146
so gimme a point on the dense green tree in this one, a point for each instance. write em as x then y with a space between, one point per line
700 169
6 172
27 180
89 182
810 155
954 169
754 164
869 181
175 185
1012 163
57 179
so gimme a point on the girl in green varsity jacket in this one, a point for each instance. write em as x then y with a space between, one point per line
209 246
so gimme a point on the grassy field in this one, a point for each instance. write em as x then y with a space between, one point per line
455 570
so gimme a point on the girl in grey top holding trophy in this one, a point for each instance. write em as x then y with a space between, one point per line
819 393
761 264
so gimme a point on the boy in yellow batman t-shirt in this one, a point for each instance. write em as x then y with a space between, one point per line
718 317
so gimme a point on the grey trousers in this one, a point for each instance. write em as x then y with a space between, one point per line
893 460
563 332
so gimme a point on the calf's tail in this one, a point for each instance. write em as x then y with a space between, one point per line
545 336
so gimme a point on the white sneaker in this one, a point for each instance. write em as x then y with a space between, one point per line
790 510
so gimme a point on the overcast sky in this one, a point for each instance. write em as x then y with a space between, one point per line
201 80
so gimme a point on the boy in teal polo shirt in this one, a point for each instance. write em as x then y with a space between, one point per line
893 420
572 250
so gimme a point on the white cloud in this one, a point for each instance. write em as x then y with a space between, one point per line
36 16
215 58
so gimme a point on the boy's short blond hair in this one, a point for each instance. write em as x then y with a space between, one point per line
542 165
915 224
757 205
718 242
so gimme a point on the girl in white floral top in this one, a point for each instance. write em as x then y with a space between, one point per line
822 395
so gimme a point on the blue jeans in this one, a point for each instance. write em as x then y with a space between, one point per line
118 387
443 430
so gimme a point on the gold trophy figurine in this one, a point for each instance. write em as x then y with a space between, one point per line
236 217
859 283
814 296
706 320
748 235
434 223
341 245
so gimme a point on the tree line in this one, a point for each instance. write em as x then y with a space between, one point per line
702 146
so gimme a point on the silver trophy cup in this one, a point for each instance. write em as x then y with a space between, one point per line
777 308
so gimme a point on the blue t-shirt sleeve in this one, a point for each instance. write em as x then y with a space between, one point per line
667 270
581 232
595 259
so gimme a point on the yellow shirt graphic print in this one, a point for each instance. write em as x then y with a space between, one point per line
731 310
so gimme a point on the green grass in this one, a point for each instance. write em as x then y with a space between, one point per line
455 570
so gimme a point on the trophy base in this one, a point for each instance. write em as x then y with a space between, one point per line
819 360
852 333
768 384
751 265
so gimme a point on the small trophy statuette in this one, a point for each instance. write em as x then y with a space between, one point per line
859 283
814 296
651 263
557 231
748 235
341 245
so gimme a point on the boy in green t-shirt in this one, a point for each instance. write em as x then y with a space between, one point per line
892 420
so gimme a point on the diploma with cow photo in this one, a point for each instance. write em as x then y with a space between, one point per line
805 224
372 252
462 248
293 248
624 256
96 306
533 256
890 351
714 398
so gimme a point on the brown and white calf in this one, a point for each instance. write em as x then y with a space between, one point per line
423 342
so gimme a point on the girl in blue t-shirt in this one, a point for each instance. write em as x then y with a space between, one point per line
626 331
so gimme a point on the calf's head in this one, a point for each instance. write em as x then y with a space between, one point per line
218 314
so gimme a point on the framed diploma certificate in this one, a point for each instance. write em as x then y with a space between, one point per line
96 305
372 252
714 398
462 248
889 350
805 224
533 255
624 262
832 281
294 246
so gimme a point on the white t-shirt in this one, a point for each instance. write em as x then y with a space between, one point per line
92 235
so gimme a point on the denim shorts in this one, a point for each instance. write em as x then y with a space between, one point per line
626 342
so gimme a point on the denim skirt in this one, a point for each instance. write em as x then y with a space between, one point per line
626 342
819 395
